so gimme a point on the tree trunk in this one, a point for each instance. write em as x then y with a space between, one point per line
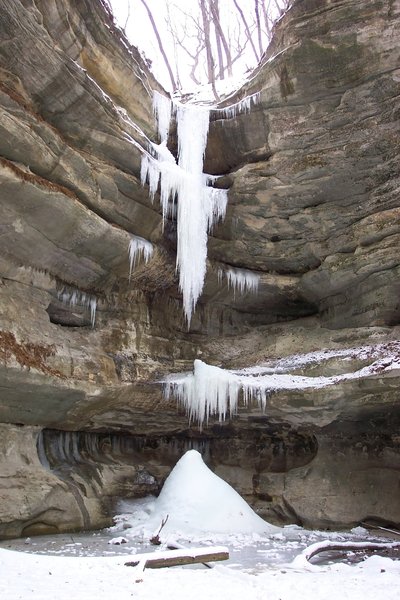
258 22
160 45
246 26
221 36
328 546
210 58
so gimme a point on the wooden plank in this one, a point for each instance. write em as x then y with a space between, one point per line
174 558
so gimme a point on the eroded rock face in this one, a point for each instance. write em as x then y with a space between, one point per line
313 178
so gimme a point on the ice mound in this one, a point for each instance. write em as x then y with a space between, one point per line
197 500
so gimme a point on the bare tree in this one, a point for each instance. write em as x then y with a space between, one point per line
207 39
247 29
160 45
213 37
221 40
258 26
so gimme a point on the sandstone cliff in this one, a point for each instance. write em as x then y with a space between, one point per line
313 178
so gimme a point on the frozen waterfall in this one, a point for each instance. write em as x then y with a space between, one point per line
186 192
184 187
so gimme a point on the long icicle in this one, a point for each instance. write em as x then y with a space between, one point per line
198 206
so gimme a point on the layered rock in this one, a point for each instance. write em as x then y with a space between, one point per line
313 176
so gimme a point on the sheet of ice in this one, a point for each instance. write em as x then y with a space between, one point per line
210 390
197 500
193 217
139 248
74 297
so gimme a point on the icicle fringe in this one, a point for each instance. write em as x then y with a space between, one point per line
242 107
210 390
139 248
78 298
240 280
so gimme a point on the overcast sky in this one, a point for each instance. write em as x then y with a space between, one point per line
140 33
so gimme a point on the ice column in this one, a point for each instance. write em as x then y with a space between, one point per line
193 215
198 206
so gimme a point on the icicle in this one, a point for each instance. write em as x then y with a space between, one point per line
211 390
208 391
216 210
78 298
242 280
150 172
139 248
93 308
185 191
243 106
163 109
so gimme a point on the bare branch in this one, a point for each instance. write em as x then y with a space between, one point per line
210 58
246 26
160 45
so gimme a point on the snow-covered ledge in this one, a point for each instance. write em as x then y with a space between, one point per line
211 390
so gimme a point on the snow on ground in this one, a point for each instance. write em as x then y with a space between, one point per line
41 577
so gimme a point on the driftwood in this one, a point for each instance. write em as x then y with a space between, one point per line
173 558
371 526
155 540
176 546
328 546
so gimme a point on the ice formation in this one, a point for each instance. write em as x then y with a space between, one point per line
243 106
240 280
139 248
207 391
210 390
185 188
196 500
78 298
163 110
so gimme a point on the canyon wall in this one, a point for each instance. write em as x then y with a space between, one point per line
313 178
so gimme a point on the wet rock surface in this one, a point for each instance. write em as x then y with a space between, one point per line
313 178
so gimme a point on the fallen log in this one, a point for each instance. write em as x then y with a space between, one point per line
176 546
175 558
328 546
371 526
